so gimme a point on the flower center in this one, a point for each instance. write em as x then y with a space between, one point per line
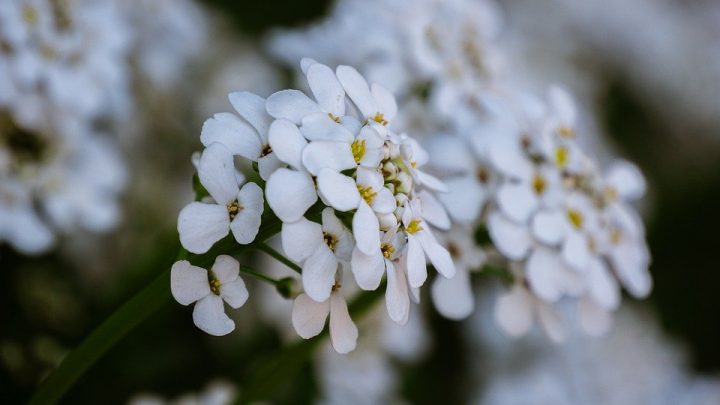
266 150
561 156
330 240
575 218
483 175
233 208
24 146
387 250
367 193
214 283
539 184
414 226
615 236
30 15
358 149
566 132
380 119
334 117
453 249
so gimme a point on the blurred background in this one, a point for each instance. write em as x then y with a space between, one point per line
646 74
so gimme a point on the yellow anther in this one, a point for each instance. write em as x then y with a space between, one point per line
414 226
566 132
611 194
561 156
330 240
367 193
358 149
615 236
30 15
334 117
215 285
387 250
539 184
453 249
380 119
576 218
413 164
233 208
483 175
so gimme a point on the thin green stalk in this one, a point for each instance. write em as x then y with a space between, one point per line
279 257
248 270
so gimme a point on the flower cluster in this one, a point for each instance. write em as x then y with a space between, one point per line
350 192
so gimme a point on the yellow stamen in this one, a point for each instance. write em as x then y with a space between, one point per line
380 119
334 117
413 164
566 132
233 208
539 184
30 15
414 226
561 156
387 250
330 240
358 149
615 236
575 217
367 193
214 285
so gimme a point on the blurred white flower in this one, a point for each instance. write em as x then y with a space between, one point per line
191 284
233 208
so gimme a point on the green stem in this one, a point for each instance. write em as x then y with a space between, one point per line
248 270
279 257
126 318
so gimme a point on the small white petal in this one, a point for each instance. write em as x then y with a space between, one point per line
453 297
200 225
188 283
549 226
326 88
226 269
542 274
464 200
292 105
216 171
287 142
338 190
438 255
627 180
343 332
319 155
246 223
209 315
384 201
357 89
517 201
318 273
513 311
511 239
234 293
451 154
431 182
385 101
594 320
602 286
252 108
366 229
575 251
508 158
301 238
290 193
320 127
367 269
268 164
630 262
308 316
551 323
397 298
229 130
562 104
432 211
416 264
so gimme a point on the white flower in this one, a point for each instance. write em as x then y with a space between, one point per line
235 209
453 297
376 104
309 315
421 243
191 284
516 309
320 249
19 223
246 136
